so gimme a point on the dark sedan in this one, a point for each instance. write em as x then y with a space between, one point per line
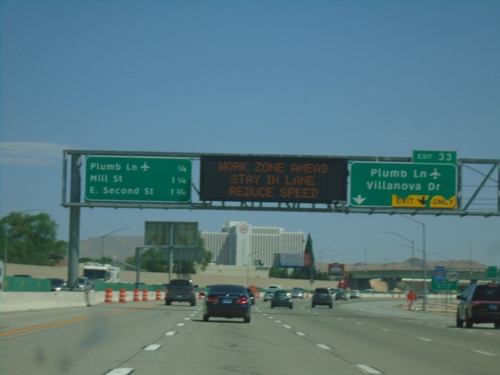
322 296
282 298
227 301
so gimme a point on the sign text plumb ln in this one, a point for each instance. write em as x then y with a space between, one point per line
416 185
137 179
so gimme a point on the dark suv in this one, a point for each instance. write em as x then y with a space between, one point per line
479 304
322 296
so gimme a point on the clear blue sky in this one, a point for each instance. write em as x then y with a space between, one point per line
350 78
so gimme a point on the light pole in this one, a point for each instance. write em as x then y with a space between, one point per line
412 254
366 256
6 228
321 252
424 255
248 266
106 235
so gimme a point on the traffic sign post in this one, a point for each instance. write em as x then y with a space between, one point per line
137 179
405 185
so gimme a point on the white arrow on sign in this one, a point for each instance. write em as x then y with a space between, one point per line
359 199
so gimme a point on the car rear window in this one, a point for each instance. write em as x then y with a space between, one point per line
180 283
319 290
227 289
487 293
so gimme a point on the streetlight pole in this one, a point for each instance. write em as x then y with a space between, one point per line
424 255
106 235
412 256
366 256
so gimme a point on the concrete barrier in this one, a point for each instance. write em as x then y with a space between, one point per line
28 301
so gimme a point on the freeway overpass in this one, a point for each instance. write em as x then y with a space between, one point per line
360 279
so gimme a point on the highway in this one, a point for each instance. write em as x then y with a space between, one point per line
355 337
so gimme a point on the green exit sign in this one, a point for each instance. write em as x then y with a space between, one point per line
137 179
440 157
405 185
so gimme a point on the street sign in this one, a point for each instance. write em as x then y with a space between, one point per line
409 185
452 276
137 179
492 271
435 157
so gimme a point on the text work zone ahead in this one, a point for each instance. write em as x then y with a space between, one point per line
273 179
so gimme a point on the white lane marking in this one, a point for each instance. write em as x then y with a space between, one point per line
152 347
287 326
120 371
300 333
187 318
323 346
423 339
170 333
368 370
484 353
181 324
278 321
386 329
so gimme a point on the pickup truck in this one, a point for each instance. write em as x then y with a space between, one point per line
180 290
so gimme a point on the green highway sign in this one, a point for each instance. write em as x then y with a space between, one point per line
137 179
492 271
405 185
435 157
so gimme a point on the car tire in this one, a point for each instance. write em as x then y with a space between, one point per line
468 322
205 317
246 319
272 306
313 305
168 302
460 322
291 307
497 325
193 303
331 305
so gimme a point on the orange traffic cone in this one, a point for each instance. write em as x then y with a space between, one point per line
145 296
158 294
123 295
137 295
108 298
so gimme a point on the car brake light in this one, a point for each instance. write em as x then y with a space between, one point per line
242 300
212 299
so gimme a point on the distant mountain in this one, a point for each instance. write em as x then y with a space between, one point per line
116 247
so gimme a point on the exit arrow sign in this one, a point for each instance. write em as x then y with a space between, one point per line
415 185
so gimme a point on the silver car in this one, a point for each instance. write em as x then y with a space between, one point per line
298 293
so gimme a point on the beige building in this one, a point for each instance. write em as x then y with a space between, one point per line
240 243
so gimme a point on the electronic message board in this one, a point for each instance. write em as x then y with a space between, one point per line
273 179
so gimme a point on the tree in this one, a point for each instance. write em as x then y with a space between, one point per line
31 239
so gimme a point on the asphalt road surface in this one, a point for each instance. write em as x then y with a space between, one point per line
353 338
